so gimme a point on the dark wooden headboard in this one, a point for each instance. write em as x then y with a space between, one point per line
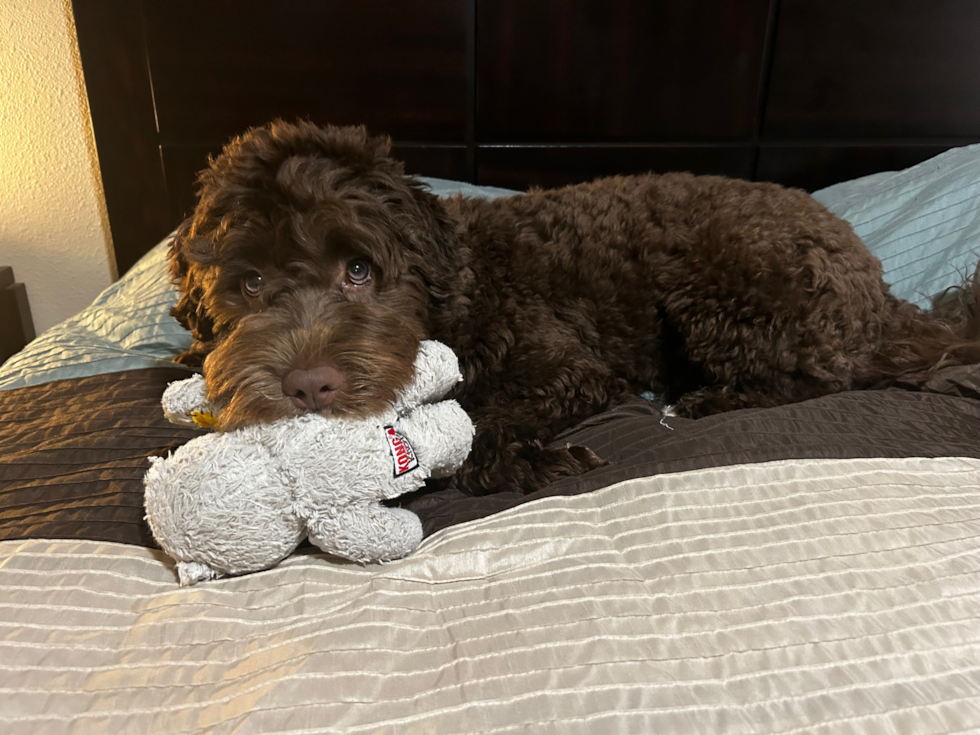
520 92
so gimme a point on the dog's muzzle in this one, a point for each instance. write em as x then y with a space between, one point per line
313 389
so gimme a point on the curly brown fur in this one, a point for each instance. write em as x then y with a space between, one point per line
717 293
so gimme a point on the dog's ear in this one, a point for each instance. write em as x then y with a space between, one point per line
190 311
431 232
261 151
351 146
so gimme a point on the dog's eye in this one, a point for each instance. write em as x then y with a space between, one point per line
252 285
358 272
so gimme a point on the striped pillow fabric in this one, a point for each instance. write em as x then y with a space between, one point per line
923 223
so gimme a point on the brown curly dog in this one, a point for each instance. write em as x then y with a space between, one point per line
313 266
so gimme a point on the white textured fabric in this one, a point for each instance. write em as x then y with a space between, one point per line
791 597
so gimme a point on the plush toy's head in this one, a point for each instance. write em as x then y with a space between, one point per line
239 501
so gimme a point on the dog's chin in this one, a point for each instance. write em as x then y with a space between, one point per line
245 410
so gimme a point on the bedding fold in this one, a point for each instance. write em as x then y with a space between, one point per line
73 452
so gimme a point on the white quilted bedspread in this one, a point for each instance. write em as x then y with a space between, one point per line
789 597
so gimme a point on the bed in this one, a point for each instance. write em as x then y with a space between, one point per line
808 568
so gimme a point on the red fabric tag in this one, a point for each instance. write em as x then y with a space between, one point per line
402 454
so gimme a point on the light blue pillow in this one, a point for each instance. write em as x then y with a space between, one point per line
445 188
923 223
129 325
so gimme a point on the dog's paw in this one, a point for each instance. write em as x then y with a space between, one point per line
708 401
584 459
548 464
525 467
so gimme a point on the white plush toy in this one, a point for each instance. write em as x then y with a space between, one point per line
240 501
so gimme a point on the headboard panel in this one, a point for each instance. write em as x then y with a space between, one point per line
217 69
895 70
521 92
595 71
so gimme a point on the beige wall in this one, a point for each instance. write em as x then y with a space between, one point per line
53 228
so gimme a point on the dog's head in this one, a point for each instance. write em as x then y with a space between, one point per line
307 272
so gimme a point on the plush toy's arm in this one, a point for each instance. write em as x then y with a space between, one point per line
185 403
436 372
441 434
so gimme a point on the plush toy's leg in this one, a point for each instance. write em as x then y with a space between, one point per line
368 533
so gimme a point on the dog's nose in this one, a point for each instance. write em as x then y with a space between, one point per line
313 389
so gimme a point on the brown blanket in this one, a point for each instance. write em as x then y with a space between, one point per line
73 453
